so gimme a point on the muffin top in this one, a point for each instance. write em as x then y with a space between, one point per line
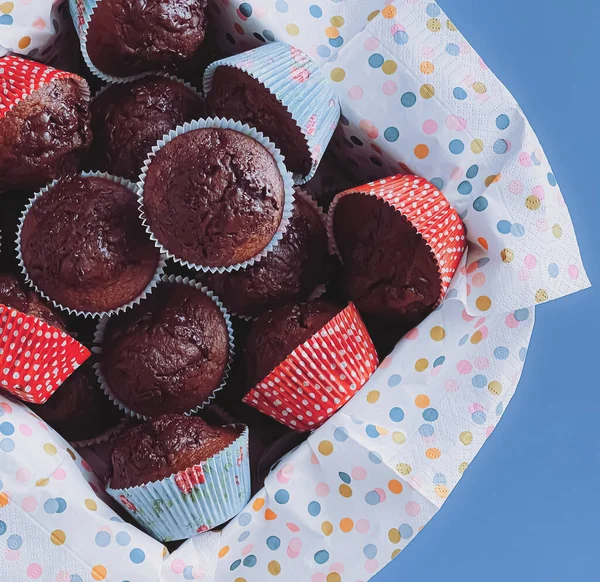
166 445
169 353
126 38
389 271
214 197
279 332
291 271
84 245
79 410
17 296
129 118
236 95
44 136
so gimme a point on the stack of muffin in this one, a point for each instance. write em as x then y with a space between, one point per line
170 230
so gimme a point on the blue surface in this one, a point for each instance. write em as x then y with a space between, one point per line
528 507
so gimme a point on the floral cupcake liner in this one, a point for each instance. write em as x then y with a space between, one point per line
194 500
92 314
319 376
99 338
299 85
216 123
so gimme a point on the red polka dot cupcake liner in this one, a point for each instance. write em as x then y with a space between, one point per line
35 358
426 209
319 376
19 78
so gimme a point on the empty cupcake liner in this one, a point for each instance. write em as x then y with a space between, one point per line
93 314
319 376
426 209
81 14
216 123
299 85
99 338
194 500
19 78
35 358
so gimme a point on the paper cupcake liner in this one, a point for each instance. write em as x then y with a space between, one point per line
35 358
92 314
217 123
319 376
426 209
195 500
186 84
81 14
19 78
299 85
99 338
102 438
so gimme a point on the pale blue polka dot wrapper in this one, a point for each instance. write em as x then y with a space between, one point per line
299 85
192 501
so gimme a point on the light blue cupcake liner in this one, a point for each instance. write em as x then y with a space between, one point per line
81 14
299 85
178 508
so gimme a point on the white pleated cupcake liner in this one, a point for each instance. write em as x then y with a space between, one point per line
216 123
299 85
81 13
181 505
99 338
186 84
92 314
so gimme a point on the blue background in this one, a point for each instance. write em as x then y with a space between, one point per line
528 508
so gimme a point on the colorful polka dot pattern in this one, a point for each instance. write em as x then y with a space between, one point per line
19 78
453 123
49 510
308 387
370 478
35 358
426 208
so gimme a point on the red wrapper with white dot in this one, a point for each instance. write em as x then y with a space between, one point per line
19 78
320 375
427 210
35 358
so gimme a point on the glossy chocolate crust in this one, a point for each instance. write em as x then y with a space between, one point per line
167 354
79 410
389 271
214 197
19 297
44 136
126 38
129 118
291 271
277 333
237 95
84 245
166 445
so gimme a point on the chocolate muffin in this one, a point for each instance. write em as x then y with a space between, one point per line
125 38
44 136
237 95
84 246
279 332
15 295
390 273
168 354
129 118
214 197
164 446
79 410
291 271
